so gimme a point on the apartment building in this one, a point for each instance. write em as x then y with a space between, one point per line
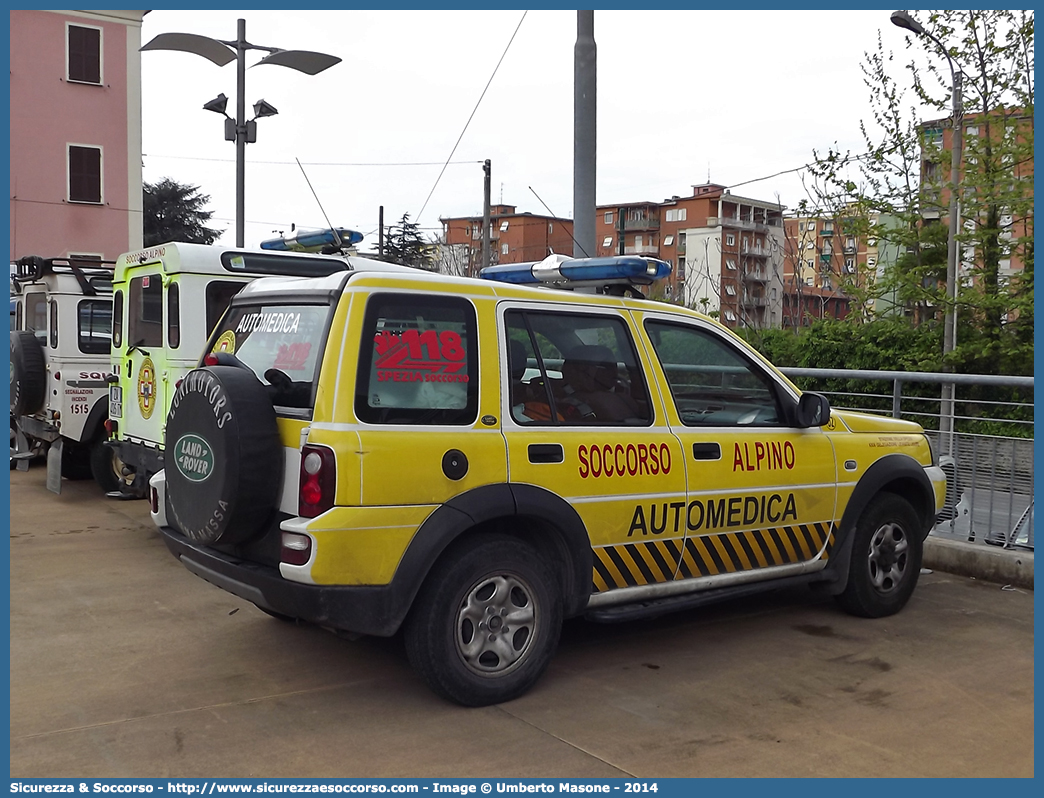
819 260
727 250
75 164
514 238
1007 129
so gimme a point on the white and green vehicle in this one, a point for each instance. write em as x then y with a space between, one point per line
61 319
166 300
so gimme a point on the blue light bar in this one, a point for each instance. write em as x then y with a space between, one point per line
564 272
511 273
313 240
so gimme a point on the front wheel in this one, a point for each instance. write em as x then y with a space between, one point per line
886 558
485 625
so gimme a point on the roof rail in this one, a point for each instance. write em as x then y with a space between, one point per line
31 268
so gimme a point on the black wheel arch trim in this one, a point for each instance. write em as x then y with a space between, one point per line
490 503
92 427
887 471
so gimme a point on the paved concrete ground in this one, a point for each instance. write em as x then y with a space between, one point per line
125 664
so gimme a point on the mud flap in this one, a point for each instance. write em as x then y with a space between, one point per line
22 447
54 466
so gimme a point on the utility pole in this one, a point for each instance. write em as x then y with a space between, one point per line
585 108
486 170
946 421
620 230
380 233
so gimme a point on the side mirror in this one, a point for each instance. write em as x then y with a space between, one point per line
813 410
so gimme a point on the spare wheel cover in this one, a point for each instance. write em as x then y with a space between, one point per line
223 457
28 374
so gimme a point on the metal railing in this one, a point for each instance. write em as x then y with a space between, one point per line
986 446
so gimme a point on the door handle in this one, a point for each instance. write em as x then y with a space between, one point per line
706 451
546 453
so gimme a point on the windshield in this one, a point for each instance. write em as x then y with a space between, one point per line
281 344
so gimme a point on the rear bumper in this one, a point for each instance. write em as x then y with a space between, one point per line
365 609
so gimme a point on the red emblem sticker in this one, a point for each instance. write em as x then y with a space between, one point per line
420 356
292 357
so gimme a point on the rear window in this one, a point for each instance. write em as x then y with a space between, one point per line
36 315
94 326
418 362
146 311
281 344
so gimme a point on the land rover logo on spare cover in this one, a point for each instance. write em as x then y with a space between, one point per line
193 457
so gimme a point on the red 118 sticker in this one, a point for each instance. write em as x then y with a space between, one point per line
420 351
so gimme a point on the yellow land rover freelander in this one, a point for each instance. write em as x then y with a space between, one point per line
473 460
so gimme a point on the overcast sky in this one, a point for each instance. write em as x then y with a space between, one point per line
682 95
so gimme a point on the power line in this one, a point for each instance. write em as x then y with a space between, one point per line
437 179
841 162
310 163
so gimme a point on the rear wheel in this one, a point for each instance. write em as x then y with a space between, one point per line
485 626
886 558
106 467
76 461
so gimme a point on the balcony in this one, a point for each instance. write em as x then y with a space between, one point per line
827 231
648 223
741 224
644 249
754 252
755 301
756 276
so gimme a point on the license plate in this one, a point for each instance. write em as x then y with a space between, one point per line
115 401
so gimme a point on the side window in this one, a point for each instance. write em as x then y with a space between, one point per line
418 362
117 319
568 368
36 315
712 384
17 320
219 296
54 324
173 316
145 305
94 326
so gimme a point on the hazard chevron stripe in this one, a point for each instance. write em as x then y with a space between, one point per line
654 561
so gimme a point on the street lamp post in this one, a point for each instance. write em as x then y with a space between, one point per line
946 428
239 129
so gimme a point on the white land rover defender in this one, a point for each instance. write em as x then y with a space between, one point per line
60 332
166 300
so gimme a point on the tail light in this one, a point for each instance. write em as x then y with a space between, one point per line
296 549
111 426
154 498
210 360
318 481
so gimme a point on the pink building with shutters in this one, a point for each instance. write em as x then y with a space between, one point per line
75 133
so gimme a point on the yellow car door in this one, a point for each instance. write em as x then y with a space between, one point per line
761 492
581 422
